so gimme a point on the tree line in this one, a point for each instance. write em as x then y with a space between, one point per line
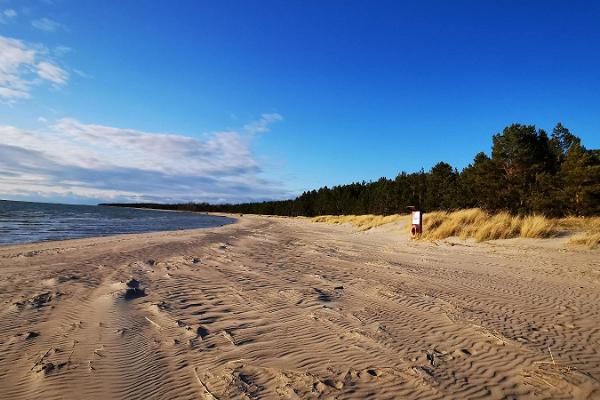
528 172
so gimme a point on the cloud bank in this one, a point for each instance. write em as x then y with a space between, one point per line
86 162
23 66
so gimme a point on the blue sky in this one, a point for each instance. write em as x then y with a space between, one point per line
246 100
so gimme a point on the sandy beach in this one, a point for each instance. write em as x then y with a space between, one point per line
285 308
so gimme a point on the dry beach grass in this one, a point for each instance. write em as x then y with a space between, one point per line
275 308
476 223
361 222
482 226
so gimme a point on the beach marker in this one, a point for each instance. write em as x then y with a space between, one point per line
417 222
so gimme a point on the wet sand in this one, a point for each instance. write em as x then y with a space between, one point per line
284 308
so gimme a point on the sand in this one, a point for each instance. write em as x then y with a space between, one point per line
284 308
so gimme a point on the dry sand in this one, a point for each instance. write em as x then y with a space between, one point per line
282 308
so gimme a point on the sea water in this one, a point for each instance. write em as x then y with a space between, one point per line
24 222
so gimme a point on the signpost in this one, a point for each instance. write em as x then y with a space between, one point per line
416 217
417 222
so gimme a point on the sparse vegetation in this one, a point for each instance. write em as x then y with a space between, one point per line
482 226
361 222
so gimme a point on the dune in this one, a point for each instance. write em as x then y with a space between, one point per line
285 308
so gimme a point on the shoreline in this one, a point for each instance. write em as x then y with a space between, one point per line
84 234
560 243
120 236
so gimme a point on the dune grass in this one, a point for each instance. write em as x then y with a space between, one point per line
478 224
590 239
482 226
361 222
589 228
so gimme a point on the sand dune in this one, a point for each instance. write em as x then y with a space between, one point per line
282 308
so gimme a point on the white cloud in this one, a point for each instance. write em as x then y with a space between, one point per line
46 24
52 73
82 74
62 50
7 15
8 93
262 125
77 160
23 66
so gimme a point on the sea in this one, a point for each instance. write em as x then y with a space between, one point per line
24 222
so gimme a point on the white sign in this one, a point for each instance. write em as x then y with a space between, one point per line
416 217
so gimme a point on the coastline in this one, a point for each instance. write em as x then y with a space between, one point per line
278 307
30 223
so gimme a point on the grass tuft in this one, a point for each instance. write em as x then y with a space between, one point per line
590 239
538 226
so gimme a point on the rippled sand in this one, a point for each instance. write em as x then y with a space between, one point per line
281 308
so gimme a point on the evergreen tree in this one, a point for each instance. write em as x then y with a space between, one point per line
522 153
441 188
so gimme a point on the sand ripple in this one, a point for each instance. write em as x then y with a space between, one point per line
276 308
